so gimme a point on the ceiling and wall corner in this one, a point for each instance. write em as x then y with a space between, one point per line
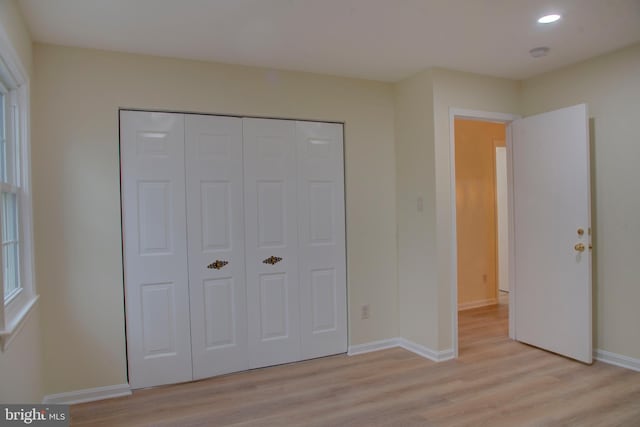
371 39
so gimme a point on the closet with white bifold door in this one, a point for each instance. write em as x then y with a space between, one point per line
234 243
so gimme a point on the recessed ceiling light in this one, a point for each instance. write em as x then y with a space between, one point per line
548 19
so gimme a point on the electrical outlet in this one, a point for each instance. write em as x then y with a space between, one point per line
364 313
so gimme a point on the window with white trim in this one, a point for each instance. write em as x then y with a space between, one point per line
9 194
17 288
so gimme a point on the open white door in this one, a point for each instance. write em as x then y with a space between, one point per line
552 257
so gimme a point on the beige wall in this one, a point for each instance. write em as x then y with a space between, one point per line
77 93
610 85
453 89
415 169
21 363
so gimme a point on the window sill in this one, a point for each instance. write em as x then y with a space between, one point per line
15 324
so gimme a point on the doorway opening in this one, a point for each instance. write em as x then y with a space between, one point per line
481 225
480 255
550 294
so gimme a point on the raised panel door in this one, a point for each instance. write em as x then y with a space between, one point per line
213 147
155 248
270 194
552 259
321 239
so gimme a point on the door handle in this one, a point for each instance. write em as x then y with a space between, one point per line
217 264
272 260
579 247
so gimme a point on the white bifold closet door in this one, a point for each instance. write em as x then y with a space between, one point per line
215 230
155 248
294 212
270 194
321 239
234 244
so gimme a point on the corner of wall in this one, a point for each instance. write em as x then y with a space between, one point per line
415 206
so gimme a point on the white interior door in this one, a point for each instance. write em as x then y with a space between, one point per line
502 209
271 241
321 237
234 244
551 200
215 229
155 248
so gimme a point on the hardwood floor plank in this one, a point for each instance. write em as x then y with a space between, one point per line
494 382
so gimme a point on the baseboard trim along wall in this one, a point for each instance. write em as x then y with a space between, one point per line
427 353
372 346
88 395
476 304
617 359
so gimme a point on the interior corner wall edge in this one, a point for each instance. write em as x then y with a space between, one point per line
415 199
77 93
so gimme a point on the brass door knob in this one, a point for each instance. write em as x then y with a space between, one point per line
217 265
579 247
273 260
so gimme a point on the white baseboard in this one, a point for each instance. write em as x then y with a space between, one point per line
372 346
476 304
427 353
617 359
88 395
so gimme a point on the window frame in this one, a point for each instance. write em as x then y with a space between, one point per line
15 82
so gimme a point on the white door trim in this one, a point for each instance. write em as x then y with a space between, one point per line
488 117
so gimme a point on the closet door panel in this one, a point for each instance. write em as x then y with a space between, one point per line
155 248
216 245
271 241
321 236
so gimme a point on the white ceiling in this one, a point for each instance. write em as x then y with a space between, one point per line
374 39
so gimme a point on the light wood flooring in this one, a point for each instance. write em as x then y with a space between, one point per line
494 382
